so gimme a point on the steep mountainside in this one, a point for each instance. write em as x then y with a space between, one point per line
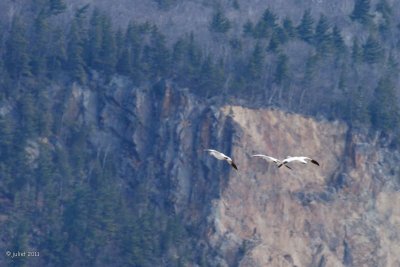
342 213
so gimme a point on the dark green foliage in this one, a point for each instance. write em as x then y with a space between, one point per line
337 41
39 51
16 56
361 11
76 64
358 106
309 71
384 107
101 50
248 29
6 137
108 52
165 4
289 28
57 6
28 115
256 63
220 23
323 37
45 119
235 4
212 76
236 44
266 25
386 22
356 51
94 41
57 54
133 50
274 43
306 28
372 50
157 55
282 70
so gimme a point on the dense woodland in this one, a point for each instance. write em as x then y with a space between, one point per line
304 67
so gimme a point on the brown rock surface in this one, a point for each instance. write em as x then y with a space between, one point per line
338 214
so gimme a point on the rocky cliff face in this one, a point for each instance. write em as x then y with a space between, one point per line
342 213
337 214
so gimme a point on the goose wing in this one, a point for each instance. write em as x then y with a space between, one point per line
267 158
217 154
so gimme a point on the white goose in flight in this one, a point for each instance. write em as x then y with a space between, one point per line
303 160
221 156
268 158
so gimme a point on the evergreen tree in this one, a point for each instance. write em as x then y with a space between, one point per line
165 4
108 51
119 42
356 52
309 70
95 39
337 41
358 107
45 118
266 25
157 55
235 4
57 6
248 29
124 64
28 113
281 35
211 77
361 11
192 58
16 57
134 40
372 50
385 23
6 138
220 23
323 36
57 53
44 170
384 107
76 64
305 29
274 43
40 50
282 69
270 19
256 63
289 27
178 51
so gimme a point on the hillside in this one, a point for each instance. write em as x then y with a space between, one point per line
106 109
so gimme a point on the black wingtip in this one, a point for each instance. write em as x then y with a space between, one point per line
315 162
234 166
287 167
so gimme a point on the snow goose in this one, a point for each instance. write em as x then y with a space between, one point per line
221 156
303 160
